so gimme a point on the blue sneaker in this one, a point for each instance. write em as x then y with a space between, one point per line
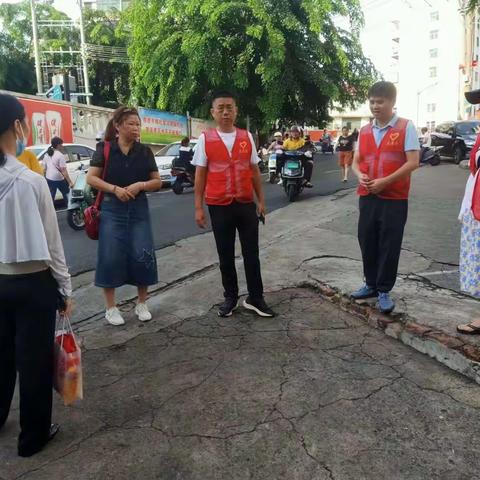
385 302
364 292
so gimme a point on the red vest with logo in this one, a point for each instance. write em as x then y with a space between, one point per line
476 188
383 160
229 177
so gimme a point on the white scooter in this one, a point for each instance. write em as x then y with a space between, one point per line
272 166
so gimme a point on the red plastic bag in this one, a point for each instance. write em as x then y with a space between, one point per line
67 379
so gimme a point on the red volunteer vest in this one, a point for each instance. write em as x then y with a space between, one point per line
229 177
476 189
387 158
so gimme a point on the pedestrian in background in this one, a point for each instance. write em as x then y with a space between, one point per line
470 236
387 153
56 171
34 281
30 160
185 155
126 252
227 179
345 152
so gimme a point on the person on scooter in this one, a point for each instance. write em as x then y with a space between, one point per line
277 143
296 142
185 156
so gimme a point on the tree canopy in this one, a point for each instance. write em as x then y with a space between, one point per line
287 60
108 79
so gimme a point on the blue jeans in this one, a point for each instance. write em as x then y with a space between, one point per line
61 185
126 253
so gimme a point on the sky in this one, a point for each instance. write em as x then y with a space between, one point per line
70 7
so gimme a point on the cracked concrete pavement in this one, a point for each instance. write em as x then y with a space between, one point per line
313 242
312 394
315 393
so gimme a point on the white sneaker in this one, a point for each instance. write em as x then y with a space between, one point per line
280 181
142 312
114 317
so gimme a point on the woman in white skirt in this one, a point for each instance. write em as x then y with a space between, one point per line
470 238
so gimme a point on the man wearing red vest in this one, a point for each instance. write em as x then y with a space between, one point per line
227 179
387 153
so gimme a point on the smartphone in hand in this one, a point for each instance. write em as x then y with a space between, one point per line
262 218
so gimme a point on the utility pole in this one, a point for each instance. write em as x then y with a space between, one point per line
83 49
36 49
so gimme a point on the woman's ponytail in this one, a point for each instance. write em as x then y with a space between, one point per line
50 151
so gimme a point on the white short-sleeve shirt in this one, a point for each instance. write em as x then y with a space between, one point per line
54 164
200 157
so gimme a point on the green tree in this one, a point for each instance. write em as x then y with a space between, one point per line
287 60
109 79
17 70
470 6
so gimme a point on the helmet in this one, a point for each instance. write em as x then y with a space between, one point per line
278 134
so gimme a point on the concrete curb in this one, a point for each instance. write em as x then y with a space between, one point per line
443 347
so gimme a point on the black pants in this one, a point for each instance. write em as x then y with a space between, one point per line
226 220
28 305
380 234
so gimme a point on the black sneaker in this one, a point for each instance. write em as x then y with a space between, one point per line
228 307
259 307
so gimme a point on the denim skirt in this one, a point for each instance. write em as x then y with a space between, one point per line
126 254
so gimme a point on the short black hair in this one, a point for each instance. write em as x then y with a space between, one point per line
185 142
223 94
383 89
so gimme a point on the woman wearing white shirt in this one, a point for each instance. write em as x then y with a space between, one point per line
56 171
34 282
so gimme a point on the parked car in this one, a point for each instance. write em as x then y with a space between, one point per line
164 159
455 139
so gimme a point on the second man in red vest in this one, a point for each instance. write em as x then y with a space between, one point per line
227 180
387 154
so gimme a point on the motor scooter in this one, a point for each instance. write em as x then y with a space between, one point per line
81 197
293 173
272 166
183 178
429 156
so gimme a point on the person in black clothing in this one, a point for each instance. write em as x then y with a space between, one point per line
345 152
126 252
185 156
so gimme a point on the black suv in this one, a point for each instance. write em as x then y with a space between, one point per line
455 139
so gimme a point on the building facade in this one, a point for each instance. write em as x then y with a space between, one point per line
418 45
470 66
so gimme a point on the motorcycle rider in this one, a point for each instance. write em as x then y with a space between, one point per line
277 142
296 142
185 156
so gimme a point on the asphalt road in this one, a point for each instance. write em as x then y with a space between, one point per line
173 215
